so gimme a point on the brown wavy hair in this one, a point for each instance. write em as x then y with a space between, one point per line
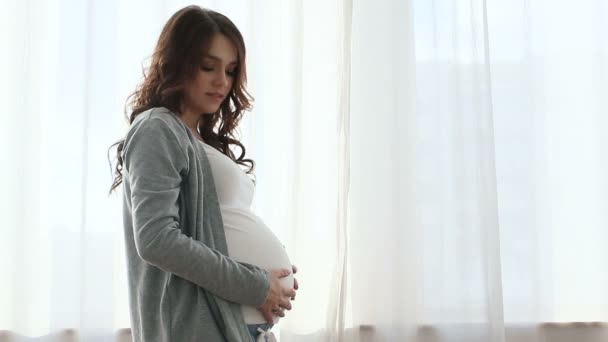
178 54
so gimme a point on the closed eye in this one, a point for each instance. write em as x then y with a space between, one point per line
230 73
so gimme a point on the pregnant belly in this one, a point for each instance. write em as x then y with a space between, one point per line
250 240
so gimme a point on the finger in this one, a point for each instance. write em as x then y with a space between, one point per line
280 313
295 283
268 316
281 273
294 268
285 304
289 292
284 273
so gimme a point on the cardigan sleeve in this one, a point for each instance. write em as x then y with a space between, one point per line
155 164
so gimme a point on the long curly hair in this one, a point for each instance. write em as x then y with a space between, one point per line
183 41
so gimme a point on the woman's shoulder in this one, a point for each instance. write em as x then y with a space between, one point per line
161 117
158 126
159 120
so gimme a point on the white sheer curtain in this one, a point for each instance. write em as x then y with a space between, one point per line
434 168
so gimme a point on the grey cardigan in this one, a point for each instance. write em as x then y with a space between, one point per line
182 285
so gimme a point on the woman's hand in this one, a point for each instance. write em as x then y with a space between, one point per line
278 297
294 268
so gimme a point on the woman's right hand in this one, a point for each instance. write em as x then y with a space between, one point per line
278 297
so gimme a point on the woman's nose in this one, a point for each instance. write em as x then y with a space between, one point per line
221 79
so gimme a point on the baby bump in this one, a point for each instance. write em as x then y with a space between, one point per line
250 240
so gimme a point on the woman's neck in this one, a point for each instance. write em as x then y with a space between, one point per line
191 120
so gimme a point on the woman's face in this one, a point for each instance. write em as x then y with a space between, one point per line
214 78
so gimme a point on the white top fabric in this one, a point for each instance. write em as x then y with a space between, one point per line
248 238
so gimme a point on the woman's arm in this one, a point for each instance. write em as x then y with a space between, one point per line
155 162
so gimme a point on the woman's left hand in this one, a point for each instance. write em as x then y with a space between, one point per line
294 268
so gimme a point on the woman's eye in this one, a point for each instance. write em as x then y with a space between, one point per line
206 68
231 73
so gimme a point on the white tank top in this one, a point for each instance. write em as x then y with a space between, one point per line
249 239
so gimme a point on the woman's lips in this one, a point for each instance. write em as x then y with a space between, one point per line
215 96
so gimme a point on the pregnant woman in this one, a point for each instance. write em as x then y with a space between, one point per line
201 265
